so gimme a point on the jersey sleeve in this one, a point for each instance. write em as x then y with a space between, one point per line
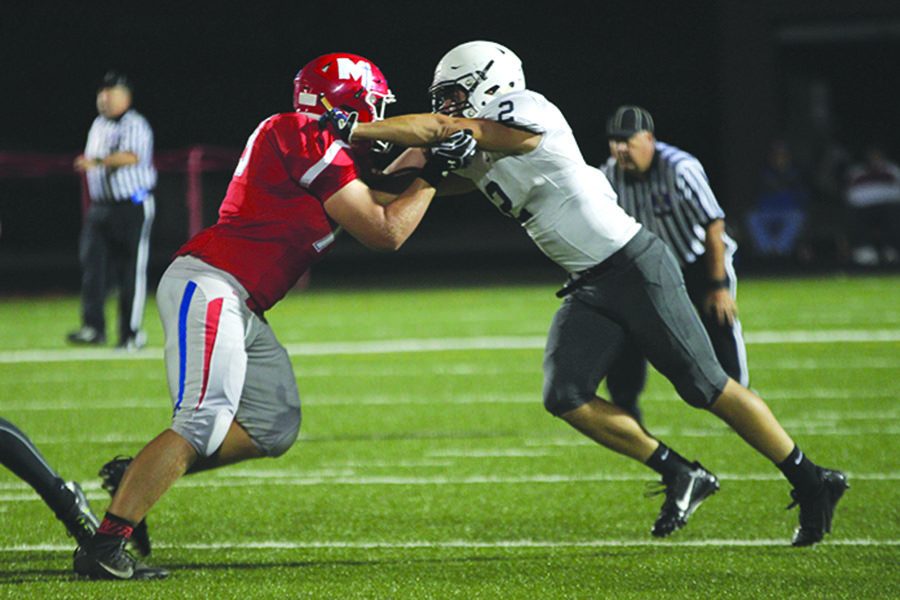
93 132
315 159
694 187
137 138
521 110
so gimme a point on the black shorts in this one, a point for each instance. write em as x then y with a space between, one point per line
642 297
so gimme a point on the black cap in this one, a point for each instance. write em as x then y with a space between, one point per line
628 120
114 78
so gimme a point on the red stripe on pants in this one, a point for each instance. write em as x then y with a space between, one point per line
213 312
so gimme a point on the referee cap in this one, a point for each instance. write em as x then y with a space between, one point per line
628 120
112 78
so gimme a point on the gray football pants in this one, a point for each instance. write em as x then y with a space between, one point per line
641 298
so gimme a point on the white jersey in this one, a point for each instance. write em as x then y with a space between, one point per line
567 206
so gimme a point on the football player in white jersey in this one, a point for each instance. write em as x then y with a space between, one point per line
623 280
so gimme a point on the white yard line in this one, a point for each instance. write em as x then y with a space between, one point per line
158 404
807 428
490 453
446 344
465 544
404 369
19 492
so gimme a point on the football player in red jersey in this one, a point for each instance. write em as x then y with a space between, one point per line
233 389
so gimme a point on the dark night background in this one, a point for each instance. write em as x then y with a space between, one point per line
721 79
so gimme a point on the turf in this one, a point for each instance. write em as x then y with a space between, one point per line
437 474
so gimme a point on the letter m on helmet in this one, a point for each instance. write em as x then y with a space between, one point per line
360 71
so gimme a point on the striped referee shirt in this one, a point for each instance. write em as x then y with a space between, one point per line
672 199
128 133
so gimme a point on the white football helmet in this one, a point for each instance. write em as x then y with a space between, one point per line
471 75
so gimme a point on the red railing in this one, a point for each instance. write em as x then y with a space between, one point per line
194 161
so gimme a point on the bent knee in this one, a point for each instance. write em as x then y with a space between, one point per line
700 392
204 429
279 440
560 398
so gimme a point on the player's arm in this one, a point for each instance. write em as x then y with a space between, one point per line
425 129
137 143
411 161
113 161
691 180
358 209
120 159
718 300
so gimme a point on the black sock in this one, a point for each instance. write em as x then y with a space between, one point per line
667 462
22 457
800 471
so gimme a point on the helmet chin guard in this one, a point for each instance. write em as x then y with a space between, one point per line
469 76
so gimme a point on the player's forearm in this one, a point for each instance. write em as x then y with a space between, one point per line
715 251
407 130
405 212
120 159
383 198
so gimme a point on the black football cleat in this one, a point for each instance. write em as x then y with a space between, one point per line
80 520
87 336
111 473
684 494
112 561
132 343
817 509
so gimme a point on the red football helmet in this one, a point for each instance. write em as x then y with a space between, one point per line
347 81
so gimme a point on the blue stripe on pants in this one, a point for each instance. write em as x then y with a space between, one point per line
189 290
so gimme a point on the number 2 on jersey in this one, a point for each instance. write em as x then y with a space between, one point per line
506 108
504 202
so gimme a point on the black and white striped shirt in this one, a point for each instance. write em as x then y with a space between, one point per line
672 199
128 133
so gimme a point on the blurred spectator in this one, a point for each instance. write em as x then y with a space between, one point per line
873 197
776 222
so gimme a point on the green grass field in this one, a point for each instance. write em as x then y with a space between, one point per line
428 468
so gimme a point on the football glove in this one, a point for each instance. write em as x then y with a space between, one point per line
341 122
456 152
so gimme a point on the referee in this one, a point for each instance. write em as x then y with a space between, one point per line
115 237
666 190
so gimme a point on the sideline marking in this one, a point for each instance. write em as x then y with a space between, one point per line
444 344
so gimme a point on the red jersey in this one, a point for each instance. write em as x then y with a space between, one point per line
272 223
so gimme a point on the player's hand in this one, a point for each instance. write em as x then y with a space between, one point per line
342 123
721 305
84 164
456 152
